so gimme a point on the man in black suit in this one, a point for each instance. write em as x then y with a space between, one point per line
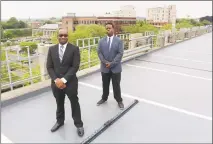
63 62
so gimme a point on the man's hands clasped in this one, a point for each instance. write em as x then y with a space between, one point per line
60 84
108 64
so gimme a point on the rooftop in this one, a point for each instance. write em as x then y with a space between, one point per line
49 26
173 86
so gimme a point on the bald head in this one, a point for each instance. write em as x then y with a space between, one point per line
63 31
63 36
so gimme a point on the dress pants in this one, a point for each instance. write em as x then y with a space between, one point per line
71 91
116 79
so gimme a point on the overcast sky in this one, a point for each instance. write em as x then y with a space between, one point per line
47 9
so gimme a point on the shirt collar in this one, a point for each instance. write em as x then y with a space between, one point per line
65 45
110 37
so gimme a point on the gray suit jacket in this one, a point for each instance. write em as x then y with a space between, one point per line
114 56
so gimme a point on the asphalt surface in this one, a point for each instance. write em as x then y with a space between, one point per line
174 89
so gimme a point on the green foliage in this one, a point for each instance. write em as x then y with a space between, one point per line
94 60
35 73
183 23
206 22
5 75
195 23
38 34
3 55
83 31
189 23
48 22
141 22
32 46
140 27
14 77
13 33
13 23
166 27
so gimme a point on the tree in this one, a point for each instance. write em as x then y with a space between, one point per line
83 31
205 22
208 18
32 46
166 27
48 22
139 28
13 23
8 34
183 23
140 22
12 33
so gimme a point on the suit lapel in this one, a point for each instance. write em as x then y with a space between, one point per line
112 44
57 52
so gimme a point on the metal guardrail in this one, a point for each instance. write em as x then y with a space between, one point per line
18 70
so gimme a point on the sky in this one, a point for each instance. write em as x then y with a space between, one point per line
47 9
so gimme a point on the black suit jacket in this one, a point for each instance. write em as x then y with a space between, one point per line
69 65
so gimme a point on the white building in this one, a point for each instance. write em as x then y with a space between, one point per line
125 11
47 30
162 15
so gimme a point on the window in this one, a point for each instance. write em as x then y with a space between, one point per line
75 22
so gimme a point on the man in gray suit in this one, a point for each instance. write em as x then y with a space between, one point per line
110 52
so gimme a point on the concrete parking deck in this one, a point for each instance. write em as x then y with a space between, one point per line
174 89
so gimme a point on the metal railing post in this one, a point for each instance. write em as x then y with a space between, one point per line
30 66
8 68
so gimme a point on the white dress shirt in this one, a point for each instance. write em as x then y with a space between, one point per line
59 47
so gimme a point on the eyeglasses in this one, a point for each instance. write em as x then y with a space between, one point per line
61 35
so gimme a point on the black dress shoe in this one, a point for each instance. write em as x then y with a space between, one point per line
80 131
121 105
100 102
56 126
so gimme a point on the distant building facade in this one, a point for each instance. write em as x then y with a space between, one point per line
117 21
160 16
125 11
35 24
47 30
71 21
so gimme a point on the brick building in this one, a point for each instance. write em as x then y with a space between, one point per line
35 24
117 21
71 21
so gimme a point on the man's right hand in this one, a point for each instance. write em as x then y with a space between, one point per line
59 83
